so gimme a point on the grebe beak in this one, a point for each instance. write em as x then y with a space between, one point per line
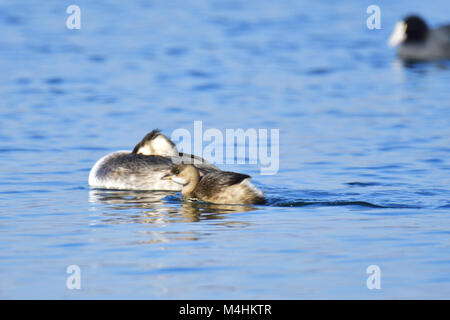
167 177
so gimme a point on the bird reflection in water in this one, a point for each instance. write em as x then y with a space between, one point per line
157 207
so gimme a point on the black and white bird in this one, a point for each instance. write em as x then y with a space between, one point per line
417 41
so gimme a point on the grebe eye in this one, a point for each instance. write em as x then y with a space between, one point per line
177 172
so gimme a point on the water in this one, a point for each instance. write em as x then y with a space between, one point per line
364 150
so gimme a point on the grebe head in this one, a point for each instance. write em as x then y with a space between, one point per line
155 143
183 174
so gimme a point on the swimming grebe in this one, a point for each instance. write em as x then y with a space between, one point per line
220 187
418 42
143 168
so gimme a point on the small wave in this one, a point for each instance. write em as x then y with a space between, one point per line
362 184
96 58
25 191
339 203
207 87
319 71
18 150
76 188
89 148
54 80
177 51
303 203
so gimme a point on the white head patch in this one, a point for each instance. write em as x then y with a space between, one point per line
179 180
162 146
145 150
398 35
159 146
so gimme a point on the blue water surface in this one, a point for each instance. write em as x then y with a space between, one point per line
364 169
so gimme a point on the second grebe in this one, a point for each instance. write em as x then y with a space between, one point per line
143 168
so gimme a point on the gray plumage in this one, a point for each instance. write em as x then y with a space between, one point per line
138 170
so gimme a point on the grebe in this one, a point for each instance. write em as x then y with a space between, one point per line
220 187
143 168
